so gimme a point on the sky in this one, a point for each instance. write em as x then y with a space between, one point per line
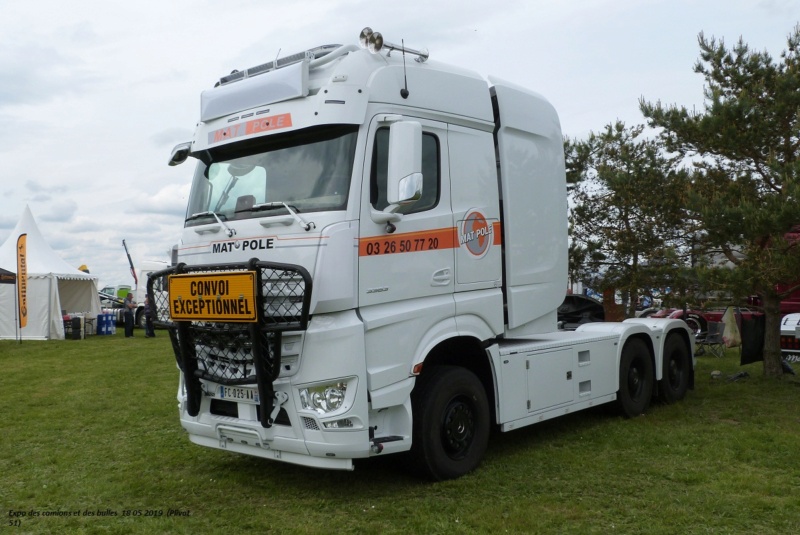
94 94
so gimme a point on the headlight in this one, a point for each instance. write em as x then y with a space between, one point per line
323 398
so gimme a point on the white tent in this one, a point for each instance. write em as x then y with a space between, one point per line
53 286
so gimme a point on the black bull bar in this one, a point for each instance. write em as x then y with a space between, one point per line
235 353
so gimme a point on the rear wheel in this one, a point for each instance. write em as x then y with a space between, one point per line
635 378
451 422
675 370
140 319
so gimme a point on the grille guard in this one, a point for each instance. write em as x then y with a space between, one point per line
232 353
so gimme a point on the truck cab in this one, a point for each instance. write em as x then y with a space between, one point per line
374 252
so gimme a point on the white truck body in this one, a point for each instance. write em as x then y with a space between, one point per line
408 297
790 337
144 270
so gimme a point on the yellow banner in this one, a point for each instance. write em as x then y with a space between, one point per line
213 297
22 279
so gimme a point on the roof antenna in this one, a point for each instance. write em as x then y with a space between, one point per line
404 91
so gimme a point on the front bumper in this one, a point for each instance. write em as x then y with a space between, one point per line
236 353
332 351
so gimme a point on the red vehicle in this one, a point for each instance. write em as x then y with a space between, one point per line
789 304
698 319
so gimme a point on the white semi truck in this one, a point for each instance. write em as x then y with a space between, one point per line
111 297
374 251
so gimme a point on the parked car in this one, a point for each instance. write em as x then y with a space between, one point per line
698 320
579 309
790 344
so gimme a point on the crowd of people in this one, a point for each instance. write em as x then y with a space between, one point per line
130 313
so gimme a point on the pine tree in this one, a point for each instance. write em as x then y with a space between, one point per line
745 148
626 217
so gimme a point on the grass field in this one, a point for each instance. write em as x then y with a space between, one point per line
90 442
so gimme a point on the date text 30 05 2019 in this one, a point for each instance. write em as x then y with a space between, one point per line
156 512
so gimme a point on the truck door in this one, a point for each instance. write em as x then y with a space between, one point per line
417 258
476 208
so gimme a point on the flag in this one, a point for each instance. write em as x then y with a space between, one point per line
22 279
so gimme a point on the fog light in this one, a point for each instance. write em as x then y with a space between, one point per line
339 424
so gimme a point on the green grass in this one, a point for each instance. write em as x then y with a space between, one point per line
93 425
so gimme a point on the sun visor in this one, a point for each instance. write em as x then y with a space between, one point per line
275 86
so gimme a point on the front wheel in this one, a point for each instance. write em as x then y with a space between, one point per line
451 422
636 378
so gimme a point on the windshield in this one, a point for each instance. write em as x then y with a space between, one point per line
308 170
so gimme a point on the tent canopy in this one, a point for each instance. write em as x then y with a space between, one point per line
7 277
53 286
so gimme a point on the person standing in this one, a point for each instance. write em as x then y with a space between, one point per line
130 308
149 331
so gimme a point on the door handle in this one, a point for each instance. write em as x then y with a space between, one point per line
441 277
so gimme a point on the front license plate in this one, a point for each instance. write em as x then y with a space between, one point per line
238 394
228 297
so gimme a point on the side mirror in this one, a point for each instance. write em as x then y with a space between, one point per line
180 153
404 179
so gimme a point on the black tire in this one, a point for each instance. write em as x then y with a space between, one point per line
140 319
451 422
636 378
676 368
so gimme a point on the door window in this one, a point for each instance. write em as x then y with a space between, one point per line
431 173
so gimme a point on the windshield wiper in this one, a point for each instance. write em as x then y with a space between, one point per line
289 208
271 206
229 231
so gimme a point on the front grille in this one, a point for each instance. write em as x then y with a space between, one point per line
232 353
224 352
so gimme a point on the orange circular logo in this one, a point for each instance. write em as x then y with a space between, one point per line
476 234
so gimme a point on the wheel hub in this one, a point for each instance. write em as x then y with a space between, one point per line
458 428
634 380
674 372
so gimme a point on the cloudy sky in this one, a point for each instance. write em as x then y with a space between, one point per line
95 93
